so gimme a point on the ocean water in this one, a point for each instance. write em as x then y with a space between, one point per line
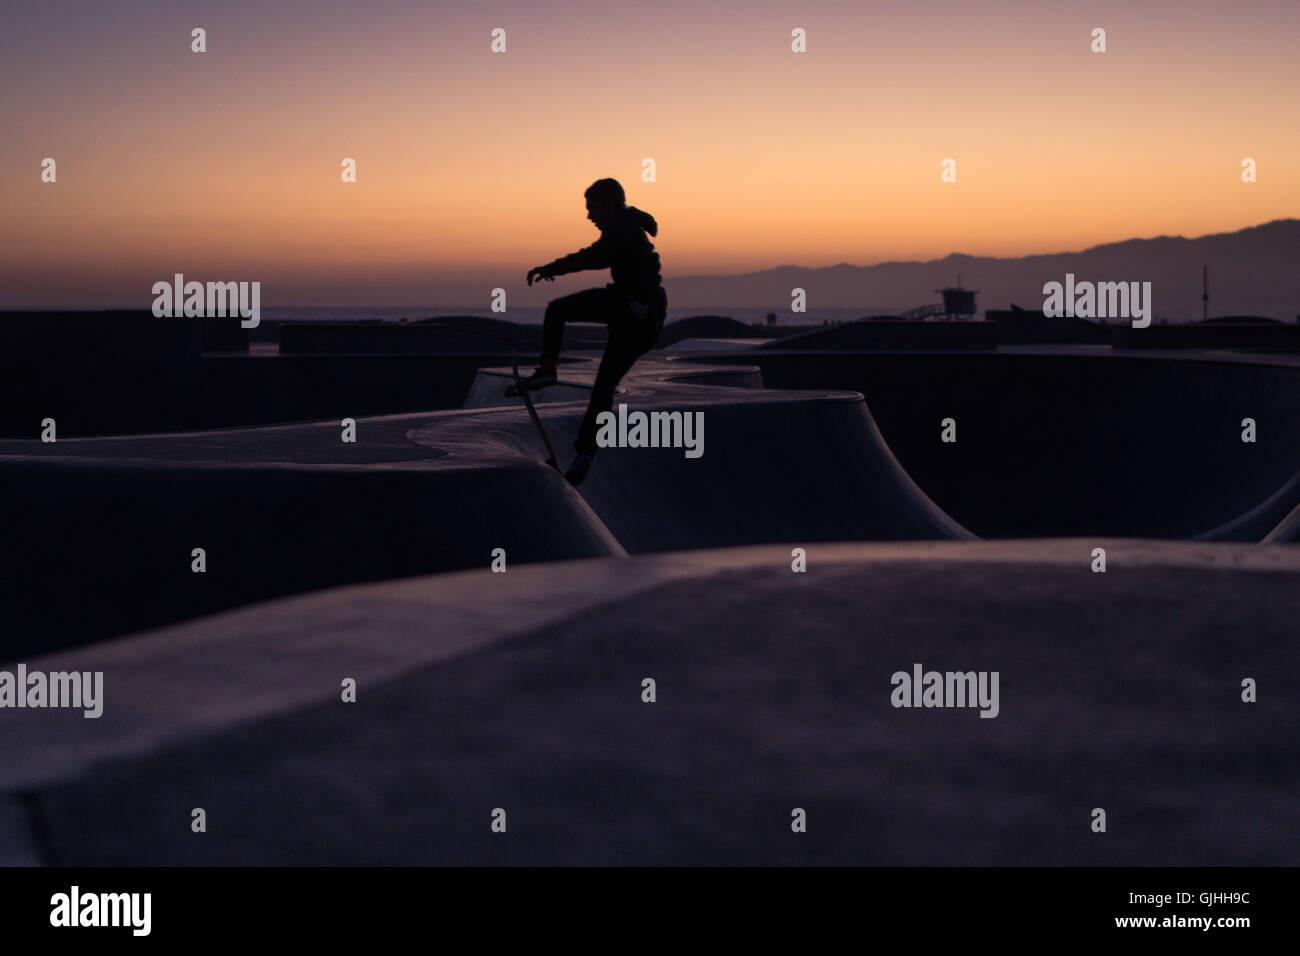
533 315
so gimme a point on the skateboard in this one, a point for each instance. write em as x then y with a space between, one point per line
532 413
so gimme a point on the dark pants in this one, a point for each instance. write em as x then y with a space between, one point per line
629 338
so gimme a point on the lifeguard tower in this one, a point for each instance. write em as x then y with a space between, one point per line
958 303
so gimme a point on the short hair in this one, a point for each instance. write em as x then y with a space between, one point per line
606 191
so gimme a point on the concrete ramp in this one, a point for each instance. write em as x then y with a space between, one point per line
1265 521
1287 530
285 509
523 690
1076 441
797 472
103 543
735 376
713 345
776 466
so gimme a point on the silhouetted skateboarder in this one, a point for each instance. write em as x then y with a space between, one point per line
633 306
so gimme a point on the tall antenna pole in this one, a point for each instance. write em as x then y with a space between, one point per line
1205 293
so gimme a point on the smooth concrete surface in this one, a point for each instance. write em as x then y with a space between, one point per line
104 542
1069 440
489 390
523 690
1287 530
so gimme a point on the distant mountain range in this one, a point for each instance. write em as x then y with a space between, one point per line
1252 271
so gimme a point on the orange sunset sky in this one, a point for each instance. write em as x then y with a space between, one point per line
471 164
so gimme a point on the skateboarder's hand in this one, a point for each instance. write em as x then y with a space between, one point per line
540 273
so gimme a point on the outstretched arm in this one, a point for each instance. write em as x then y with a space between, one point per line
594 256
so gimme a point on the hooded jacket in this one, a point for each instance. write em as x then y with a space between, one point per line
623 249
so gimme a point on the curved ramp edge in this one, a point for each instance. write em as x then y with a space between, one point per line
1265 521
1287 530
120 536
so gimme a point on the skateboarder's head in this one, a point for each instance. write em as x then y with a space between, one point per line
605 199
